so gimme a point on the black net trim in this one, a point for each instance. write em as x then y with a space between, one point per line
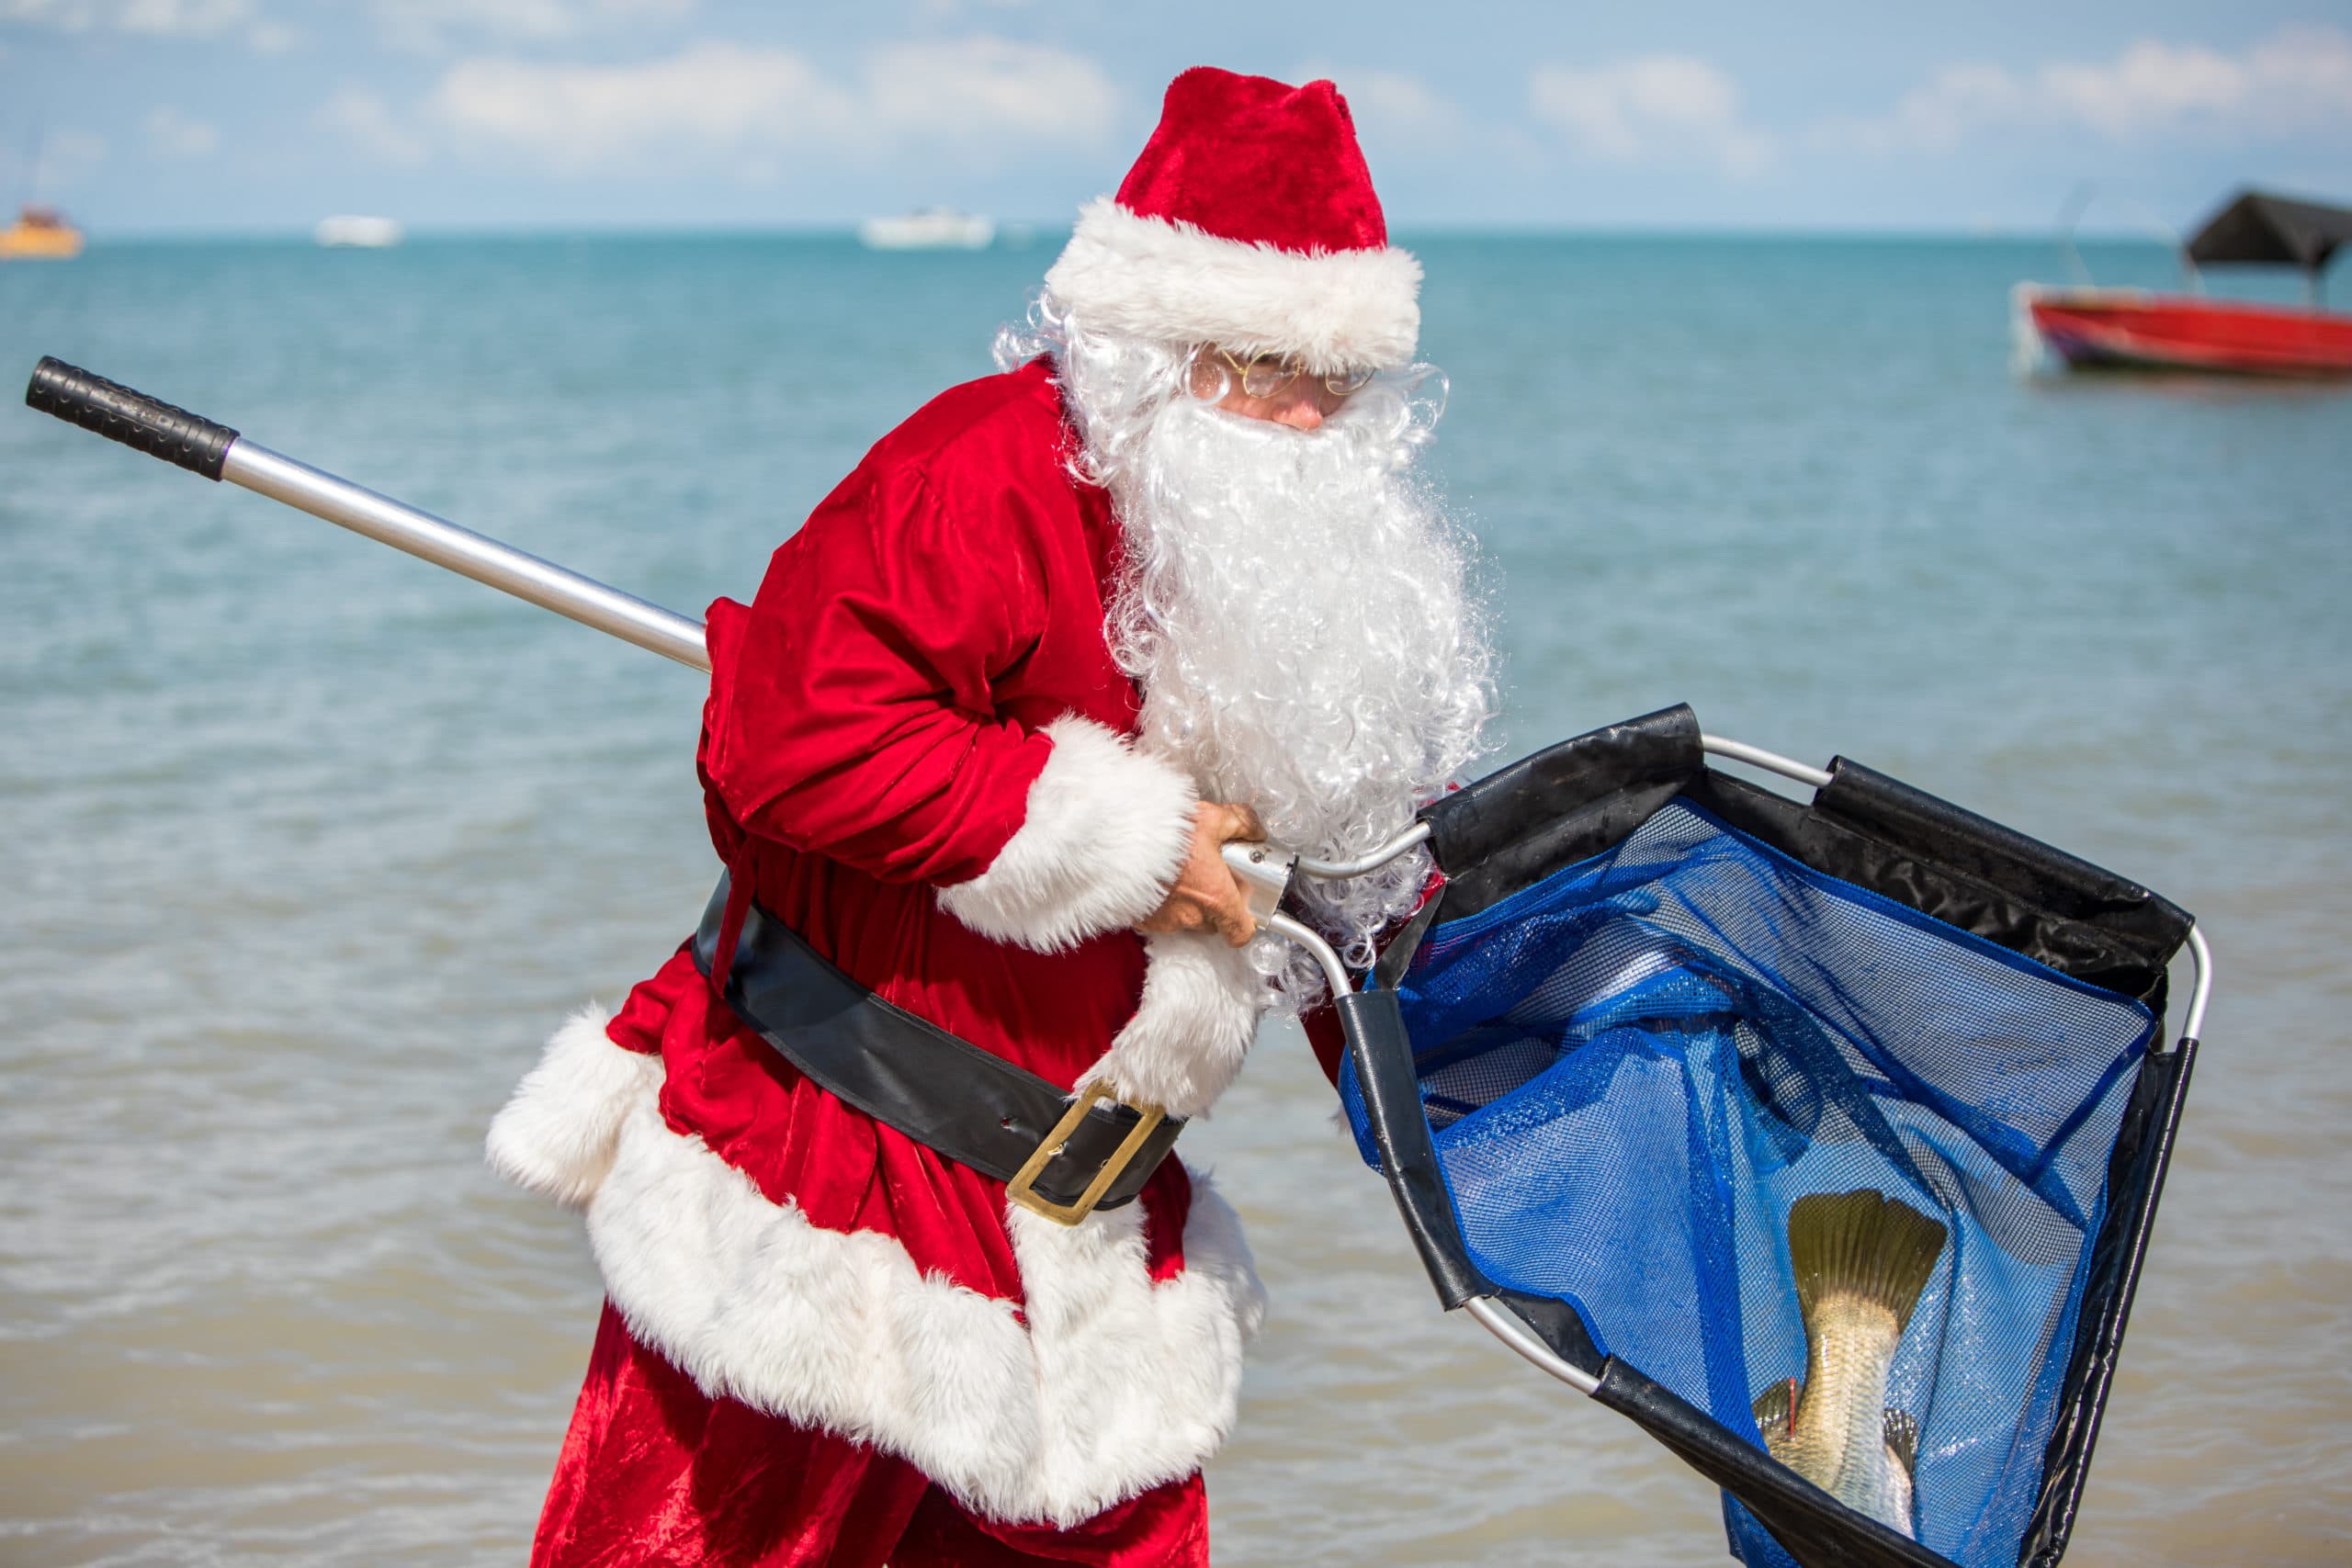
1571 801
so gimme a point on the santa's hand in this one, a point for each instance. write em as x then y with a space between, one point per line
1207 895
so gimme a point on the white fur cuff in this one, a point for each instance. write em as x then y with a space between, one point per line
1107 832
555 1136
1202 1000
1175 283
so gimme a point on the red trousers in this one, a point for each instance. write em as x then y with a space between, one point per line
653 1471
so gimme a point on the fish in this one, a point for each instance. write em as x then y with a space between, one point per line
1860 1260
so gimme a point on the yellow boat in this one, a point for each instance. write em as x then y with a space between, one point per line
40 234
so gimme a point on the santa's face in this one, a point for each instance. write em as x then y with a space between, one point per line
1292 604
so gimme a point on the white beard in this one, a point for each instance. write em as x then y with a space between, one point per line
1294 608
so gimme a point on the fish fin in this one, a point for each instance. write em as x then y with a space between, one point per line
1863 1243
1776 1412
1903 1439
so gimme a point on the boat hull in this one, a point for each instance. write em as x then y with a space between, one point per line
2132 329
928 231
354 232
25 242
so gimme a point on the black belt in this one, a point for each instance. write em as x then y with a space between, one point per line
1056 1158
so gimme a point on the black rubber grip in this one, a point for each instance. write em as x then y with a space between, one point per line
132 418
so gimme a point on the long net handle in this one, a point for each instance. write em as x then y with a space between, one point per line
192 442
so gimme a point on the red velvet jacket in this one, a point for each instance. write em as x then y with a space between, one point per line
874 725
915 752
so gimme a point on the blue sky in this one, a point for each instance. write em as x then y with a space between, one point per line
162 116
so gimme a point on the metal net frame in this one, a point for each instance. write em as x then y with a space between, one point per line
1654 1006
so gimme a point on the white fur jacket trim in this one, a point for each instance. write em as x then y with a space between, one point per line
1114 1384
1107 830
1175 283
556 1134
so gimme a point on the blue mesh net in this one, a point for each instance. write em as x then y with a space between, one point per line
1634 1067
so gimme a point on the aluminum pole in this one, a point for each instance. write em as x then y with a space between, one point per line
465 552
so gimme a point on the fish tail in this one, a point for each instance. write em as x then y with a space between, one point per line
1862 1244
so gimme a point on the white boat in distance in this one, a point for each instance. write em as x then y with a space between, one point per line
931 229
352 232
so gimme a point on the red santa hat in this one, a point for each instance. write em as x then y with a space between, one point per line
1249 221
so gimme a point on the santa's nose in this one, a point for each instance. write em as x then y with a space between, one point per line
1300 414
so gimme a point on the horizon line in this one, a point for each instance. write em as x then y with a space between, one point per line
1035 235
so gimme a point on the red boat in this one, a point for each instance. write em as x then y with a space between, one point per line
2092 328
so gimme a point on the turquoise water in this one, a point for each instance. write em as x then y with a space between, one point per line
307 844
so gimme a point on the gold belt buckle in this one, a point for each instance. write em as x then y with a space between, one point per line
1019 1189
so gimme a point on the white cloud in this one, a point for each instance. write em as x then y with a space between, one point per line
710 98
2297 79
1935 117
184 18
947 10
66 16
175 135
735 107
153 19
1656 109
157 18
427 23
2149 83
431 26
365 118
990 87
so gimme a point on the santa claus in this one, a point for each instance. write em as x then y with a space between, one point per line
1166 581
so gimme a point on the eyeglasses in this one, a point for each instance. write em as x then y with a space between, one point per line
1267 374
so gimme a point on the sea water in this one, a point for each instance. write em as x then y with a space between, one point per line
305 846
